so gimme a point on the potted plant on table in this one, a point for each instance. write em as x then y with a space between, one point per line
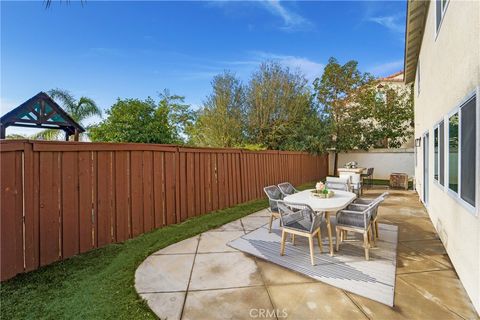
322 191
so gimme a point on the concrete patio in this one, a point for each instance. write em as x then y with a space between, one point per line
202 278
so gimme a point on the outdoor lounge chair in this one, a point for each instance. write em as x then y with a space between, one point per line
274 195
356 218
299 219
286 188
368 201
334 183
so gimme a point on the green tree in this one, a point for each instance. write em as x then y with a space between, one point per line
280 111
79 110
337 92
178 114
134 120
390 112
221 120
16 136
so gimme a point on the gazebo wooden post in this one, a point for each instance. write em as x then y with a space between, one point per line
2 131
76 136
66 135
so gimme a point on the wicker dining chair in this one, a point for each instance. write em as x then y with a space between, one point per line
367 201
286 188
356 219
334 183
300 219
274 195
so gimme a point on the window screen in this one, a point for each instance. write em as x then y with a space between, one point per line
441 150
453 152
468 149
438 14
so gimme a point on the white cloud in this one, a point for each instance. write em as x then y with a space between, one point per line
393 23
311 69
292 20
387 68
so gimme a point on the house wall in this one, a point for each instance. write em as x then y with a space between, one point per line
384 161
449 72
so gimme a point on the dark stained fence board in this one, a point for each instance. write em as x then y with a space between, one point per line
136 187
11 215
49 208
159 189
170 188
148 209
70 216
85 193
31 208
122 196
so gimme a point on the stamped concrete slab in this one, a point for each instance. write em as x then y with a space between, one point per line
313 301
410 260
164 273
252 223
261 213
445 289
224 270
185 246
166 305
241 303
432 249
232 226
214 241
409 304
274 274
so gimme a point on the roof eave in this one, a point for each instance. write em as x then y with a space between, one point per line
414 28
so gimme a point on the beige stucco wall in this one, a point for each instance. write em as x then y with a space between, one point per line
384 161
449 72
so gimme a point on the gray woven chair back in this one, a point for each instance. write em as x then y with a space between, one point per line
334 185
274 195
299 216
368 201
359 218
286 188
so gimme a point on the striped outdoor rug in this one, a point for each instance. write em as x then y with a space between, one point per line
348 269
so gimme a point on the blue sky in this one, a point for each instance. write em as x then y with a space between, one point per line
105 50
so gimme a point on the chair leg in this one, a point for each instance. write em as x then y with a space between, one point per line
337 238
282 246
310 242
366 245
319 239
293 239
376 228
270 224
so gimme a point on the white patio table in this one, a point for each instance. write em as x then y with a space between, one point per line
339 201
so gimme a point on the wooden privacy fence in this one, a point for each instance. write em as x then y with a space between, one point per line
59 199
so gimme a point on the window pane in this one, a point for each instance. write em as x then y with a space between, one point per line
468 145
453 152
441 149
435 154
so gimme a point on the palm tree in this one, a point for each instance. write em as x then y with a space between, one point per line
79 110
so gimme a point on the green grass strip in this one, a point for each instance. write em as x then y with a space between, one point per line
100 284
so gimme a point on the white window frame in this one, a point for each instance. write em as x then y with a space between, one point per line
443 11
457 195
437 127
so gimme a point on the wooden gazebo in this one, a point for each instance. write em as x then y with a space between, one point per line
41 111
